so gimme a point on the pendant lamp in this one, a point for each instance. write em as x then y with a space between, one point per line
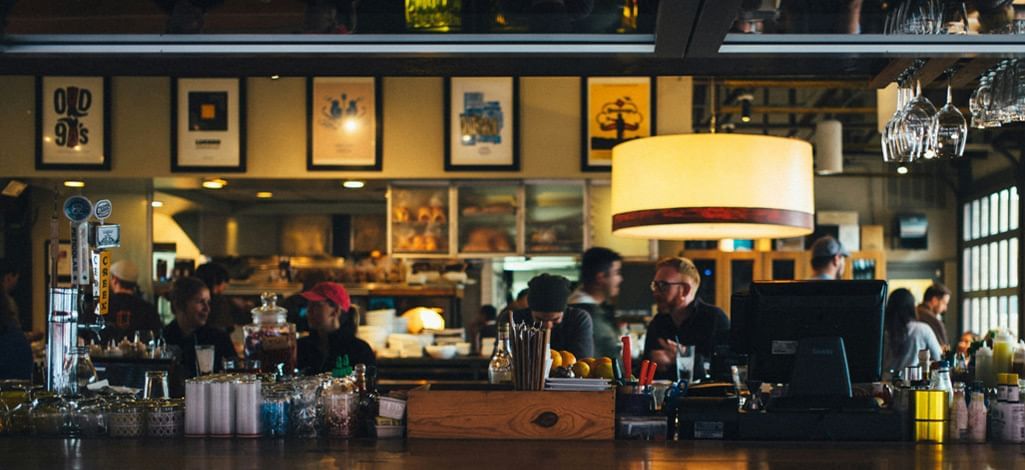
712 186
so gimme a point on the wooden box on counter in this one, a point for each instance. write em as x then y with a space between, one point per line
505 414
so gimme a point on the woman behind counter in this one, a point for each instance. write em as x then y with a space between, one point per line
190 300
333 322
905 336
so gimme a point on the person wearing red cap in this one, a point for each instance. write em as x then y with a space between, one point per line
333 322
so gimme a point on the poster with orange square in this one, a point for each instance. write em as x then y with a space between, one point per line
615 110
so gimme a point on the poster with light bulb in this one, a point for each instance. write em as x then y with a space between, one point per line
343 123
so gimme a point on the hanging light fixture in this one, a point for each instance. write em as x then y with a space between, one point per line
829 147
712 186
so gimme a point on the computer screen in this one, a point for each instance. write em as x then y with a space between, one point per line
770 320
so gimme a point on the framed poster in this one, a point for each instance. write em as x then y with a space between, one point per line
343 123
615 110
208 126
481 124
72 123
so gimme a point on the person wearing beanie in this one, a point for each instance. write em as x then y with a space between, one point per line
682 319
128 312
572 329
333 321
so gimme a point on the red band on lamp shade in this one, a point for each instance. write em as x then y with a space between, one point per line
704 215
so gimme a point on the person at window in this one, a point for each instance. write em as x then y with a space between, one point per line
127 311
190 300
599 283
223 314
571 327
931 310
904 336
828 259
14 347
333 323
683 319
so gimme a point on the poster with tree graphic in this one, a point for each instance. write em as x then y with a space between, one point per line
615 110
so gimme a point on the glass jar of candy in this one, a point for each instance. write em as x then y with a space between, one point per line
271 339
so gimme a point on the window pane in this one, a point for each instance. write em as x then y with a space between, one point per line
977 317
994 258
994 214
966 315
980 308
966 271
983 267
1002 309
994 315
1012 263
975 268
1012 306
967 221
1002 259
984 217
975 219
1013 223
1005 197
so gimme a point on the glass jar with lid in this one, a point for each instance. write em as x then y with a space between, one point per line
165 418
340 404
271 339
127 419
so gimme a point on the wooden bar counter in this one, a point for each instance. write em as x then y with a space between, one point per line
211 453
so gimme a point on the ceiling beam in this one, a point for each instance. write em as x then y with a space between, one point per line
890 73
673 26
802 109
714 21
933 68
968 74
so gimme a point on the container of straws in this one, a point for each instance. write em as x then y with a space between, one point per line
531 354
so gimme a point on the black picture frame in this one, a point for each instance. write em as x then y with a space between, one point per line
514 99
585 145
41 157
177 166
378 119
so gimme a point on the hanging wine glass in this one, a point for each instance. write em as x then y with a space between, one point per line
949 130
918 125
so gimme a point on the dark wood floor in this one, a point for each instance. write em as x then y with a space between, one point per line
30 453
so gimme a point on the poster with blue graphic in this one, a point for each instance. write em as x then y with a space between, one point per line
481 124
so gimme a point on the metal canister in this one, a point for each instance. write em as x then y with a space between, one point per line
165 418
930 414
127 419
197 407
222 407
248 400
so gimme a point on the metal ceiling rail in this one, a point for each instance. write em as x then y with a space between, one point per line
208 44
873 45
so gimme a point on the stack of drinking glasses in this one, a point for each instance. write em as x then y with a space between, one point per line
1000 97
927 17
917 130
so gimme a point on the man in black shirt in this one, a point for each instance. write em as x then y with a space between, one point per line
682 318
572 329
128 312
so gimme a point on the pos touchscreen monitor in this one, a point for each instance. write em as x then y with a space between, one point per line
817 336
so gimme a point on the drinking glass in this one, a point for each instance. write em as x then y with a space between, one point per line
156 385
918 125
204 359
949 130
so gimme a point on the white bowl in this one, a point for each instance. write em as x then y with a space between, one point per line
463 349
447 351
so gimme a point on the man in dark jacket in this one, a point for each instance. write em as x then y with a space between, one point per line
682 319
572 329
599 282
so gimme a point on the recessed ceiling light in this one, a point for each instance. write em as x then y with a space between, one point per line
264 194
353 184
275 77
902 170
216 183
74 184
14 188
156 203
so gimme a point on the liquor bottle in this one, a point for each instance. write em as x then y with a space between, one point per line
368 403
500 368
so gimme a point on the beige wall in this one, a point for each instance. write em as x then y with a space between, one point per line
276 128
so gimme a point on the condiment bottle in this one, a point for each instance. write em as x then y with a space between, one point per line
977 418
959 415
941 381
1018 363
500 369
368 402
1003 352
984 367
1014 412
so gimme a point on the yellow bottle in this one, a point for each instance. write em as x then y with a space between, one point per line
1003 352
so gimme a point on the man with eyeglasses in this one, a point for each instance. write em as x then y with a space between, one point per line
682 319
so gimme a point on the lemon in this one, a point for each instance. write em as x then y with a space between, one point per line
556 359
603 370
590 361
581 369
606 360
568 359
